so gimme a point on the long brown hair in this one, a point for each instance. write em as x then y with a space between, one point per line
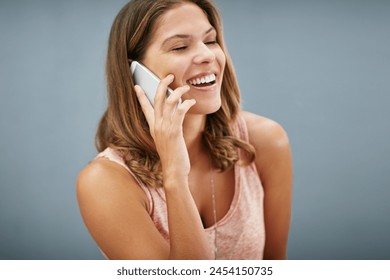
123 125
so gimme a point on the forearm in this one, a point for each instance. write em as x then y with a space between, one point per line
187 236
188 239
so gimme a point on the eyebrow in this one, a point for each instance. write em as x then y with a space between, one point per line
184 36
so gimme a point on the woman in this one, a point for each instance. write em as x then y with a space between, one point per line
196 179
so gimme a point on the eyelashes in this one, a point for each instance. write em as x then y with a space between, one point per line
179 49
182 48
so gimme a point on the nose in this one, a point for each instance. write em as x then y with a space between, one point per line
203 54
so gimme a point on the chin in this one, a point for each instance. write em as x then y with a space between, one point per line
206 108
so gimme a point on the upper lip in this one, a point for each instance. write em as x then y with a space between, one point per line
201 75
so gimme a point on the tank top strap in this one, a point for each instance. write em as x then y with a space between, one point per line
241 129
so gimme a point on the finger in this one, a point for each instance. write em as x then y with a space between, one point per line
161 95
182 110
147 108
173 100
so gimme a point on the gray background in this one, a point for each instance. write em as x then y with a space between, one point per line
320 68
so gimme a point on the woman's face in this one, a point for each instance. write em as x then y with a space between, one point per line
184 44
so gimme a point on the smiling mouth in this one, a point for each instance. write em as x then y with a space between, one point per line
203 81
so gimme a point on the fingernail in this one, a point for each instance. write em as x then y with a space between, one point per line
137 89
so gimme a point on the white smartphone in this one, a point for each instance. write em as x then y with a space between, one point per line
146 79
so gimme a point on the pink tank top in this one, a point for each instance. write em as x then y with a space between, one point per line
241 232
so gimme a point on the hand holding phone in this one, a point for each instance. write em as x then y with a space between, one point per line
146 79
165 121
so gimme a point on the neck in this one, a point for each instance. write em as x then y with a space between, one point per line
193 127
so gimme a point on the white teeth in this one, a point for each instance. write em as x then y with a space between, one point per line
202 80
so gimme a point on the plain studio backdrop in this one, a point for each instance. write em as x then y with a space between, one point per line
319 68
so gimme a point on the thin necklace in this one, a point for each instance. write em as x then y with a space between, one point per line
214 210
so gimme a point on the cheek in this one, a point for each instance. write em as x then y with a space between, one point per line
221 58
177 68
165 66
179 78
162 66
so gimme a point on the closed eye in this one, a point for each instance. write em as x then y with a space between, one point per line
179 48
211 42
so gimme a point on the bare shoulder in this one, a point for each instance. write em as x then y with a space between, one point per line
270 140
104 181
115 210
265 134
